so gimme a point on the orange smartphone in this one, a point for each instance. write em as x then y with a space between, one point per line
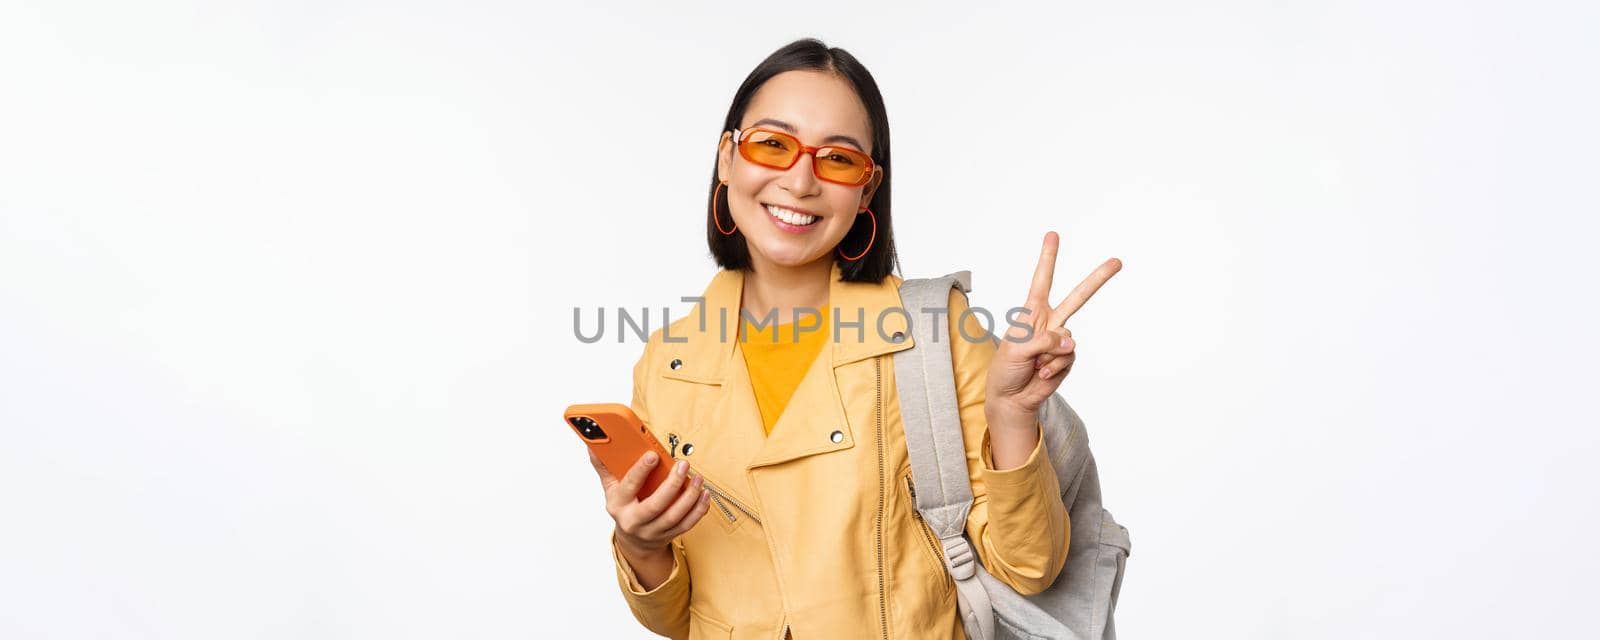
619 439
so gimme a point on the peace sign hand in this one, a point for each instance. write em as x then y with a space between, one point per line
1023 374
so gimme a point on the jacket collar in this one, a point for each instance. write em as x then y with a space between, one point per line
703 344
706 351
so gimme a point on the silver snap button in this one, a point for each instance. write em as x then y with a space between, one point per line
675 363
898 337
837 437
688 448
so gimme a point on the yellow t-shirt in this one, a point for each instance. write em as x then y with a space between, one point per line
776 368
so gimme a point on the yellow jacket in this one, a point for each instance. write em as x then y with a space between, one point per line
813 530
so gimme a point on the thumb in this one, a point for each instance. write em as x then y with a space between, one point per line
1044 342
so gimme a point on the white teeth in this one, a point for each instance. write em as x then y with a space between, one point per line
797 219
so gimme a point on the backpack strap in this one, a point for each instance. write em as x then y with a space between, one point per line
925 382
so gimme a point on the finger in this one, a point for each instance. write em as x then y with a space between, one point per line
701 506
633 480
1045 270
1081 293
1061 347
681 506
606 479
1061 364
1043 342
1066 345
651 507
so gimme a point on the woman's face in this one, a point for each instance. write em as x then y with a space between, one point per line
811 106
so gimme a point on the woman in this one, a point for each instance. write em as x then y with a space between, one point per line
797 450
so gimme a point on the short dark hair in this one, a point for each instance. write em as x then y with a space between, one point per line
730 251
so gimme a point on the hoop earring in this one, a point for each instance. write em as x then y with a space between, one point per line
714 219
870 238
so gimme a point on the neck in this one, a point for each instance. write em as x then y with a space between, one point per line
784 288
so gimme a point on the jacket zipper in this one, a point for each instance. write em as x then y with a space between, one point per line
927 534
877 411
717 495
723 508
723 500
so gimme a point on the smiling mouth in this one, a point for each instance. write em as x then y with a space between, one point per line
790 216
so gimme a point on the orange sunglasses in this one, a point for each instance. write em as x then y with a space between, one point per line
779 150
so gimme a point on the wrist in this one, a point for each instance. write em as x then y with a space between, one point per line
1007 415
637 550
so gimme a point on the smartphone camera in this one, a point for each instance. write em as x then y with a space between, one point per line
587 428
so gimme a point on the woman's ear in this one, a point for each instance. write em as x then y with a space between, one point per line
725 155
872 186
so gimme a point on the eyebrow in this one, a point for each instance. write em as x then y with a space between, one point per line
828 140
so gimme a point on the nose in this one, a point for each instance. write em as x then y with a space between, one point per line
800 179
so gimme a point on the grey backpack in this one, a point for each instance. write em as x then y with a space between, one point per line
1080 603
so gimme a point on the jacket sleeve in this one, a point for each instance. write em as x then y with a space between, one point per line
664 609
1018 522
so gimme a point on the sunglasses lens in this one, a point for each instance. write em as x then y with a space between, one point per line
842 165
769 148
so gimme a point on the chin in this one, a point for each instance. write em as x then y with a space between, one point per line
789 260
788 254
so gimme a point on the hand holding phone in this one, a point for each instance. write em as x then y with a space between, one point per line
619 439
651 501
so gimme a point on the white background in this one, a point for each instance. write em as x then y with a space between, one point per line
286 296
